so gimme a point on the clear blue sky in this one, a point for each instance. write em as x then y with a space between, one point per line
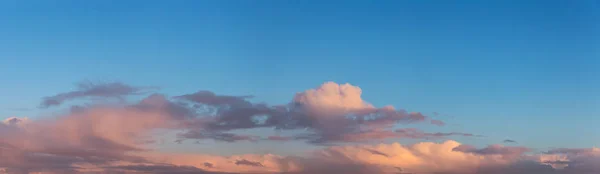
522 70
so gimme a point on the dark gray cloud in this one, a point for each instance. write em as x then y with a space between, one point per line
248 163
373 151
212 99
223 113
209 165
509 141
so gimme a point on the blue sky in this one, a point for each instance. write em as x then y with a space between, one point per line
518 70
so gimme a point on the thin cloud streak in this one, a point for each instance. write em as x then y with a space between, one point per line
88 89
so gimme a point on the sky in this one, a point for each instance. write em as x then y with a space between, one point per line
524 71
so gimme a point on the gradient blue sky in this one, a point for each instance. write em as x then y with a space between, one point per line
518 70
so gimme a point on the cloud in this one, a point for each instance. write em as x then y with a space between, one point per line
223 113
424 157
96 136
104 152
574 151
15 121
509 141
573 160
211 99
438 122
88 89
219 136
494 150
159 103
121 139
376 134
334 112
158 169
332 96
279 138
249 163
338 112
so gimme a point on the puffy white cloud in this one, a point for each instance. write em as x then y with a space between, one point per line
332 96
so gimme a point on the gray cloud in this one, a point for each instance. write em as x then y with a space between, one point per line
248 163
493 150
570 151
89 89
219 136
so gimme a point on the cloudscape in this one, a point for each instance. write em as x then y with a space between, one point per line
299 87
118 138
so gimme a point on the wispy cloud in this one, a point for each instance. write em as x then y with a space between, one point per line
89 89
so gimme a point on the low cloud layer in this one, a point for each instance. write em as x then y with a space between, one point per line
122 138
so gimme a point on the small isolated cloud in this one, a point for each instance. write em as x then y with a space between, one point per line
509 141
332 96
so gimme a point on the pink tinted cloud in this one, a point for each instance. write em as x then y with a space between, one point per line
96 136
110 139
113 154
